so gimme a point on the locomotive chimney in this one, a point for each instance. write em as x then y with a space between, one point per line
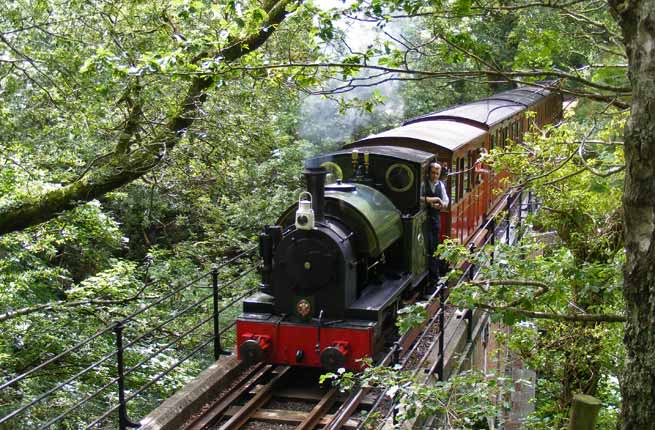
315 177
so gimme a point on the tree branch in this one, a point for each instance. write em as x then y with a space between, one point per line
543 287
126 167
609 318
512 76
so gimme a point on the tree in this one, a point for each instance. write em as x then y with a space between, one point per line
139 143
637 24
141 80
637 21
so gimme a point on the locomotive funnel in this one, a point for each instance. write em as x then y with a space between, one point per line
315 177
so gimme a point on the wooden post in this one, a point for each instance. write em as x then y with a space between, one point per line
584 412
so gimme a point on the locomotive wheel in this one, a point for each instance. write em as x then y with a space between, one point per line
332 358
251 351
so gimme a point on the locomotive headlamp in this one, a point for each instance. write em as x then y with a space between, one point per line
303 308
305 213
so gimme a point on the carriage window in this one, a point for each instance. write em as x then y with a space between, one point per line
465 173
453 182
470 173
461 179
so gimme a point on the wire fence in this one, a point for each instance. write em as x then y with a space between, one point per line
132 364
507 227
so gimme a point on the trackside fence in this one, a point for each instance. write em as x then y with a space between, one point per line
506 227
135 362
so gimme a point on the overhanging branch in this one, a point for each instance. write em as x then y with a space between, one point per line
608 318
124 167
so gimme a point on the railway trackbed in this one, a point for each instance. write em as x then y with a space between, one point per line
274 397
265 396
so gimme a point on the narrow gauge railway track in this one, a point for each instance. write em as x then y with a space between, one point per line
286 398
267 396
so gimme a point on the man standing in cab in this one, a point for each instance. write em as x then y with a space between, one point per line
436 199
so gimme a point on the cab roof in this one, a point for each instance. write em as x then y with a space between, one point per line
401 153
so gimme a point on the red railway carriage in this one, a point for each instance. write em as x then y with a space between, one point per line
337 266
456 136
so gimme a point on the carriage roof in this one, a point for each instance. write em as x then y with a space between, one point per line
453 128
446 134
487 112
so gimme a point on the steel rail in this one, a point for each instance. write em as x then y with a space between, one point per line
261 397
424 333
438 315
346 411
221 405
342 417
319 410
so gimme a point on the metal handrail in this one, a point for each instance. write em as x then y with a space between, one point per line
161 375
128 320
55 358
511 203
38 399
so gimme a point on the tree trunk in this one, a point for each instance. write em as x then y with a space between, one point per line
637 21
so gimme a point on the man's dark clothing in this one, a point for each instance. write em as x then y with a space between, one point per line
433 225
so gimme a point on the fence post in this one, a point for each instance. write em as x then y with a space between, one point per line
442 318
584 412
396 353
508 217
218 349
472 268
492 227
123 420
469 325
520 209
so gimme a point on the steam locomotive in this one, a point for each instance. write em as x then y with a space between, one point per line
338 264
